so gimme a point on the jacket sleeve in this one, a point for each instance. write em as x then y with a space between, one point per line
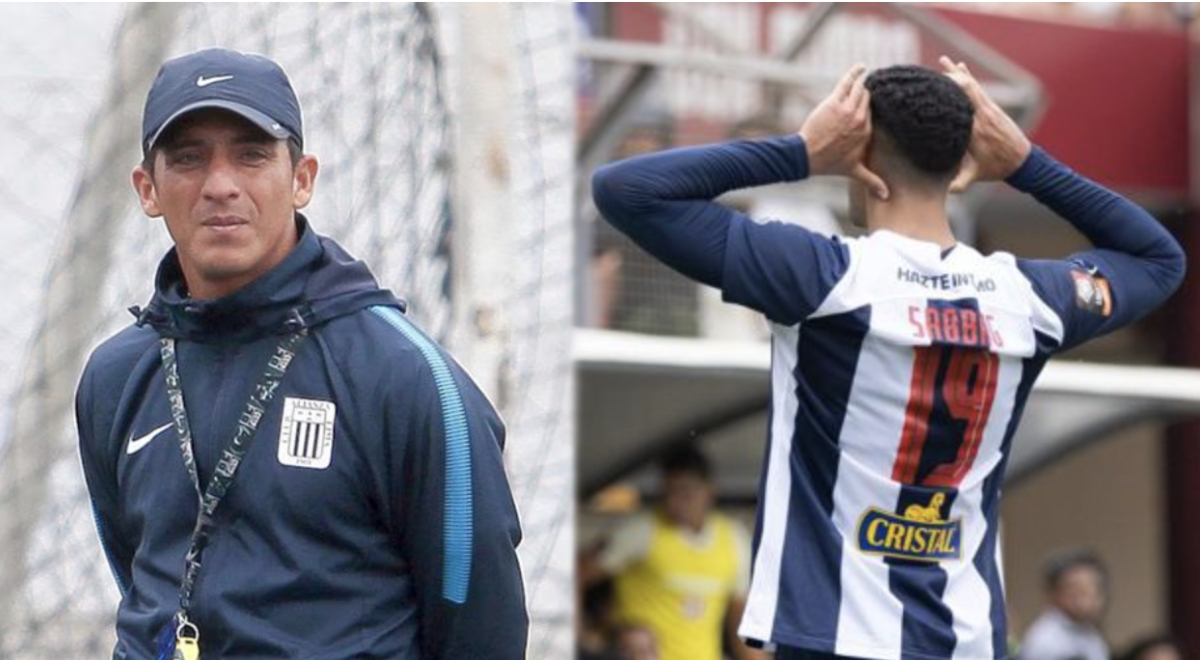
664 202
458 525
94 421
1135 265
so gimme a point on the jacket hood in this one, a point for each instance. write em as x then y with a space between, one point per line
316 282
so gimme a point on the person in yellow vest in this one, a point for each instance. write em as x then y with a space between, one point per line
682 570
634 642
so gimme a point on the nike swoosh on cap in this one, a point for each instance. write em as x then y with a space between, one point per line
135 445
205 82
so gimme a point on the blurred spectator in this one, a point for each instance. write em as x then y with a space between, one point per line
753 128
1069 629
595 627
630 290
636 643
606 285
1136 15
1167 16
681 571
1153 647
644 139
779 202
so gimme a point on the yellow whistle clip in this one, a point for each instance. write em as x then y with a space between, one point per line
187 641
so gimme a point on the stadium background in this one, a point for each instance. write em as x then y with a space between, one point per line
1105 458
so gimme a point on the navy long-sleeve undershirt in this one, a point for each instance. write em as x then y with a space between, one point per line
1140 260
663 202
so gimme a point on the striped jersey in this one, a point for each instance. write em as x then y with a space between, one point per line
893 405
899 373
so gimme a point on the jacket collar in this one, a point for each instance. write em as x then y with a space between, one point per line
279 301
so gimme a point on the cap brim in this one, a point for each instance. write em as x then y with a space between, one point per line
272 127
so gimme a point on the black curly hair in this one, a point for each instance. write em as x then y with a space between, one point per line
924 115
1063 561
686 459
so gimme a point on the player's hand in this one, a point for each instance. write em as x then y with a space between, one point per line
838 130
998 146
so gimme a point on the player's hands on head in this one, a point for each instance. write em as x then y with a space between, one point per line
838 131
998 146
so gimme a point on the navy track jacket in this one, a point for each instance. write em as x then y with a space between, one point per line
371 517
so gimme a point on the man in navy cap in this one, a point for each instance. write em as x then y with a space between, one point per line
282 464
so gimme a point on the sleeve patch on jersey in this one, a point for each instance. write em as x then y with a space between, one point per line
1092 293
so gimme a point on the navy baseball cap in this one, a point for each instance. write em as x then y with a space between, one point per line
252 86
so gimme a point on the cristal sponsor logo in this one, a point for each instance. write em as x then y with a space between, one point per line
920 534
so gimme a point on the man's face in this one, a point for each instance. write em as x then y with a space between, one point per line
228 193
1080 595
641 140
1161 652
637 644
686 498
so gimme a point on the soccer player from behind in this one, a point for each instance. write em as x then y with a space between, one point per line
901 360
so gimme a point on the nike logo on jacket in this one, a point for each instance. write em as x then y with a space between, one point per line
135 445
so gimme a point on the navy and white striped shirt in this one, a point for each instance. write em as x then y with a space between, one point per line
899 374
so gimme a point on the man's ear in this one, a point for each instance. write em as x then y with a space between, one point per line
143 184
303 180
